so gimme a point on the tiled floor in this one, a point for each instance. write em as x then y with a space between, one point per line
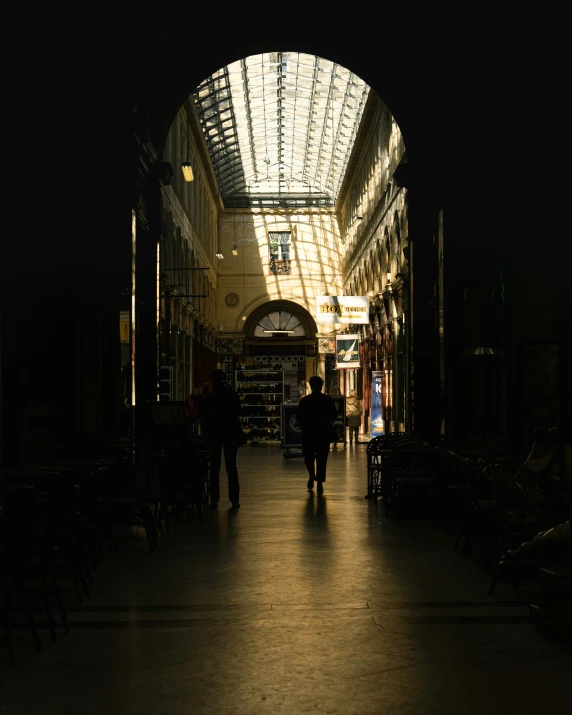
293 604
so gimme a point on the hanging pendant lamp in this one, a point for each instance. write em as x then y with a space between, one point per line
186 167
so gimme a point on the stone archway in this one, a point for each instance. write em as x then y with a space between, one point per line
171 69
161 102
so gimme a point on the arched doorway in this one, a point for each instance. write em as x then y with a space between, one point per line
282 334
270 364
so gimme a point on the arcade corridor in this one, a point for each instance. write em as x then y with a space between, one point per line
293 604
451 223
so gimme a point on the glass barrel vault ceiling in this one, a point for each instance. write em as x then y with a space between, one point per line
280 126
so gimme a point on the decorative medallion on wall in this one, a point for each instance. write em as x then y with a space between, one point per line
228 346
327 345
232 300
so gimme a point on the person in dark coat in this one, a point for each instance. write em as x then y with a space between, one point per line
315 415
193 411
221 429
201 406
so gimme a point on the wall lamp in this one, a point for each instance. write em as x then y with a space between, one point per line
218 253
186 165
187 171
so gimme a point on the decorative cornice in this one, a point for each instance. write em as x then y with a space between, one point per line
371 227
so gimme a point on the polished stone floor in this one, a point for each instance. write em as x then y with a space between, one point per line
293 604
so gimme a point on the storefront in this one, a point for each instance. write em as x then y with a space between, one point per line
386 350
185 345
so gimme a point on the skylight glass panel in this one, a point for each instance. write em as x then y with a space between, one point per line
287 121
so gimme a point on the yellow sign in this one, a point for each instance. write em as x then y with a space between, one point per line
342 309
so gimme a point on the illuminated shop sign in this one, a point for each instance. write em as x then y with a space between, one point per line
347 351
342 309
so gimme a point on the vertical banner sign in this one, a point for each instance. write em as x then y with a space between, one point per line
347 351
376 405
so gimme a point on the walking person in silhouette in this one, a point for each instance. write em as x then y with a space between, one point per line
315 415
222 431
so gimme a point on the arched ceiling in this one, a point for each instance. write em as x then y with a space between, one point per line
280 123
175 64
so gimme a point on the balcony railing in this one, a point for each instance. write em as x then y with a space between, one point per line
280 266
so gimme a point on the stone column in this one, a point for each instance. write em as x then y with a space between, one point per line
310 369
423 345
321 368
60 333
473 319
148 231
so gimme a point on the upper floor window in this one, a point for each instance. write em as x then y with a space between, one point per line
279 245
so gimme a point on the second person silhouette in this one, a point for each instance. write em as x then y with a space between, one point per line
315 415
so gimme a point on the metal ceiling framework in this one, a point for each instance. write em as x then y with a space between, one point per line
280 127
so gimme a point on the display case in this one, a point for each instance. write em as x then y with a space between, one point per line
261 395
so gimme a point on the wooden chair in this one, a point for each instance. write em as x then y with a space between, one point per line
412 471
377 448
27 576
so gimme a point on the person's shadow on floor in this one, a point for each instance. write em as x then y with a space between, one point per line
315 517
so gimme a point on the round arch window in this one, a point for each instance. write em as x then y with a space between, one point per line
279 322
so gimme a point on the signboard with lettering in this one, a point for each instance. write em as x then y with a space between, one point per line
376 403
347 351
342 309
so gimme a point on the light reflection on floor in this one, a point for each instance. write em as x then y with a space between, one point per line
294 603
